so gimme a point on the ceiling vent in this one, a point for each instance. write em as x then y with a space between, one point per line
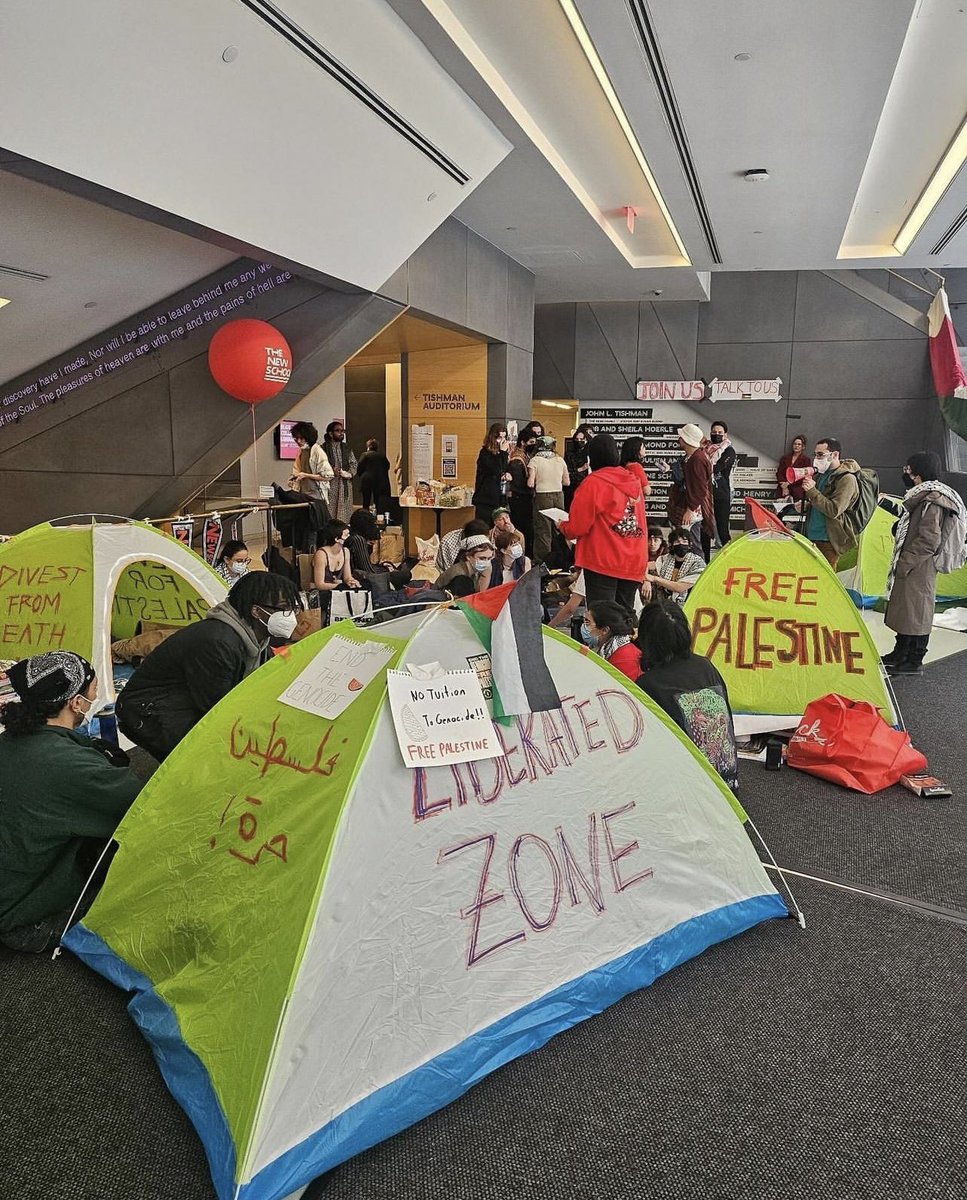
676 125
948 235
19 273
318 54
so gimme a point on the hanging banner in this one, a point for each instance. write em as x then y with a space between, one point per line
745 389
182 530
670 389
212 539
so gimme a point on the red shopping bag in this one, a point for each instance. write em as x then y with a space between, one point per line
848 742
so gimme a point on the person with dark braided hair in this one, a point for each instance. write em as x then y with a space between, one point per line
62 795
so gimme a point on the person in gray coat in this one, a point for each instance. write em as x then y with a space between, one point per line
912 582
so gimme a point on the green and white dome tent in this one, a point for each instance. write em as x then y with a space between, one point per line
325 946
82 582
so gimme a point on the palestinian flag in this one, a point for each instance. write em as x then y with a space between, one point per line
948 371
507 619
757 516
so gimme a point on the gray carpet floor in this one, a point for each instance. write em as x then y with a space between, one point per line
825 1064
894 841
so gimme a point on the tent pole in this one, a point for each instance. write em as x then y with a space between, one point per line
797 912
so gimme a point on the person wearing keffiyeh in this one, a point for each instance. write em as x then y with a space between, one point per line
61 797
927 507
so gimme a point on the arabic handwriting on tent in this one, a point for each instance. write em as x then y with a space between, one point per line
276 751
276 845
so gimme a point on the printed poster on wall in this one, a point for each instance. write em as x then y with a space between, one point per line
442 718
421 456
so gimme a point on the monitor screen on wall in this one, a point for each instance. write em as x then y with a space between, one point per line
285 447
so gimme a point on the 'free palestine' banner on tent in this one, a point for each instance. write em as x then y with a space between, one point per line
327 945
773 617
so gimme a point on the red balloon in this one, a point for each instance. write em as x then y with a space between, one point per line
250 360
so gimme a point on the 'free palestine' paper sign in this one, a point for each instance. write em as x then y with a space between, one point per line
441 718
336 676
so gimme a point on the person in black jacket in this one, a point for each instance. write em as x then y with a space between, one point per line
199 665
373 474
721 454
576 457
687 686
492 473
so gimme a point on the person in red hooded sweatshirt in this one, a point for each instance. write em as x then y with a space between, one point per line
607 521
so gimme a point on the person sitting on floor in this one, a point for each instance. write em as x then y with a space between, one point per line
451 543
609 629
687 686
61 797
511 560
363 536
199 665
674 574
474 563
233 562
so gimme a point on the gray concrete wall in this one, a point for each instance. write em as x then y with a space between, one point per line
140 440
849 369
459 279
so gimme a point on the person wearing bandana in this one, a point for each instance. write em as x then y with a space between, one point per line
196 667
343 463
61 797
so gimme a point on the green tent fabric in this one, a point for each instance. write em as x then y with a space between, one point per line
73 587
325 945
771 614
868 575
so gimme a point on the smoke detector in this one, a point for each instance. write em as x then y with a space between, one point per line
758 175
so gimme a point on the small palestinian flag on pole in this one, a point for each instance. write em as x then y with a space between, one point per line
948 371
507 619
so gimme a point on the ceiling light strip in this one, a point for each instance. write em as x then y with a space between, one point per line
597 66
19 273
666 94
946 172
317 53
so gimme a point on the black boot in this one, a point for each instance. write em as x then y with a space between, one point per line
912 663
899 651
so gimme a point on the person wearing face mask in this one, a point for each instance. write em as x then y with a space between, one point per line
61 797
510 561
521 499
609 629
576 457
929 509
343 463
313 473
474 564
492 475
832 491
234 561
721 454
674 574
197 666
547 475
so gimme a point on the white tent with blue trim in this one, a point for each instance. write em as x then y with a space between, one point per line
325 946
